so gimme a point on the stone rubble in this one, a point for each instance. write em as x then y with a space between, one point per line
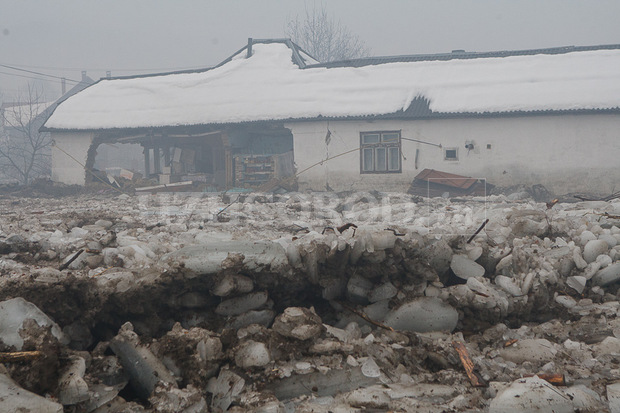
179 304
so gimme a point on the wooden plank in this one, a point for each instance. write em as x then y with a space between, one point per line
468 364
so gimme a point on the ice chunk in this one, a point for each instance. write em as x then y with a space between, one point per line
72 388
208 258
14 312
358 289
593 249
383 240
383 292
241 304
586 236
370 368
465 268
609 239
607 275
233 284
508 285
252 354
537 350
422 315
225 389
577 283
143 368
613 396
16 399
531 395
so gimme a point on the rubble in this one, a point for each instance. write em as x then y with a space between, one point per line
286 305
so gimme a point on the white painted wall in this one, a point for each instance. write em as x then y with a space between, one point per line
565 153
65 169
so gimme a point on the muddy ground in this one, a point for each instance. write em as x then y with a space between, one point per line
309 302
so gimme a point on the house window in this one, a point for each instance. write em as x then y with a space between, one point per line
451 154
380 152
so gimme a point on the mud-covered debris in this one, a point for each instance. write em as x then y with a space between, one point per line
299 323
167 398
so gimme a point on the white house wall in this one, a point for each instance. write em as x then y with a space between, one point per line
565 153
69 169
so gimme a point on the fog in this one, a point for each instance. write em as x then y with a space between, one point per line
62 38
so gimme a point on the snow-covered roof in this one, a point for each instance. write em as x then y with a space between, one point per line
270 86
20 114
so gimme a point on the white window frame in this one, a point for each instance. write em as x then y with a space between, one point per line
378 150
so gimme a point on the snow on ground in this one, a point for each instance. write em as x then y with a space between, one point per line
268 86
191 302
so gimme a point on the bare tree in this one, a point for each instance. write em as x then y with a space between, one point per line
24 151
326 39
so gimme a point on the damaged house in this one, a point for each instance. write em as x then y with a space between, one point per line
547 116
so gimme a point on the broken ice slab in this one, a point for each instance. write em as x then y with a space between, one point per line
423 315
233 284
261 317
242 304
531 395
143 368
13 398
208 258
72 389
613 396
319 384
225 389
465 268
607 275
14 312
533 350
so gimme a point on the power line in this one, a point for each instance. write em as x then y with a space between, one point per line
38 73
29 77
114 69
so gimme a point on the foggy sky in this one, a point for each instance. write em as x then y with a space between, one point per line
63 37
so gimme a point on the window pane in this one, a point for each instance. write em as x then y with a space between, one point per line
393 159
380 159
367 160
370 138
390 137
451 154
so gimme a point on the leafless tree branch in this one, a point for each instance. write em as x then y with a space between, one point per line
24 151
326 39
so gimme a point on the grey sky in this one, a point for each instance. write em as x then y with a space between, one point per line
138 36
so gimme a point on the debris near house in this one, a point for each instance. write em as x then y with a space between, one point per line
308 302
432 183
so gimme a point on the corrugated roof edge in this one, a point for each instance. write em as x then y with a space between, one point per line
415 114
460 54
